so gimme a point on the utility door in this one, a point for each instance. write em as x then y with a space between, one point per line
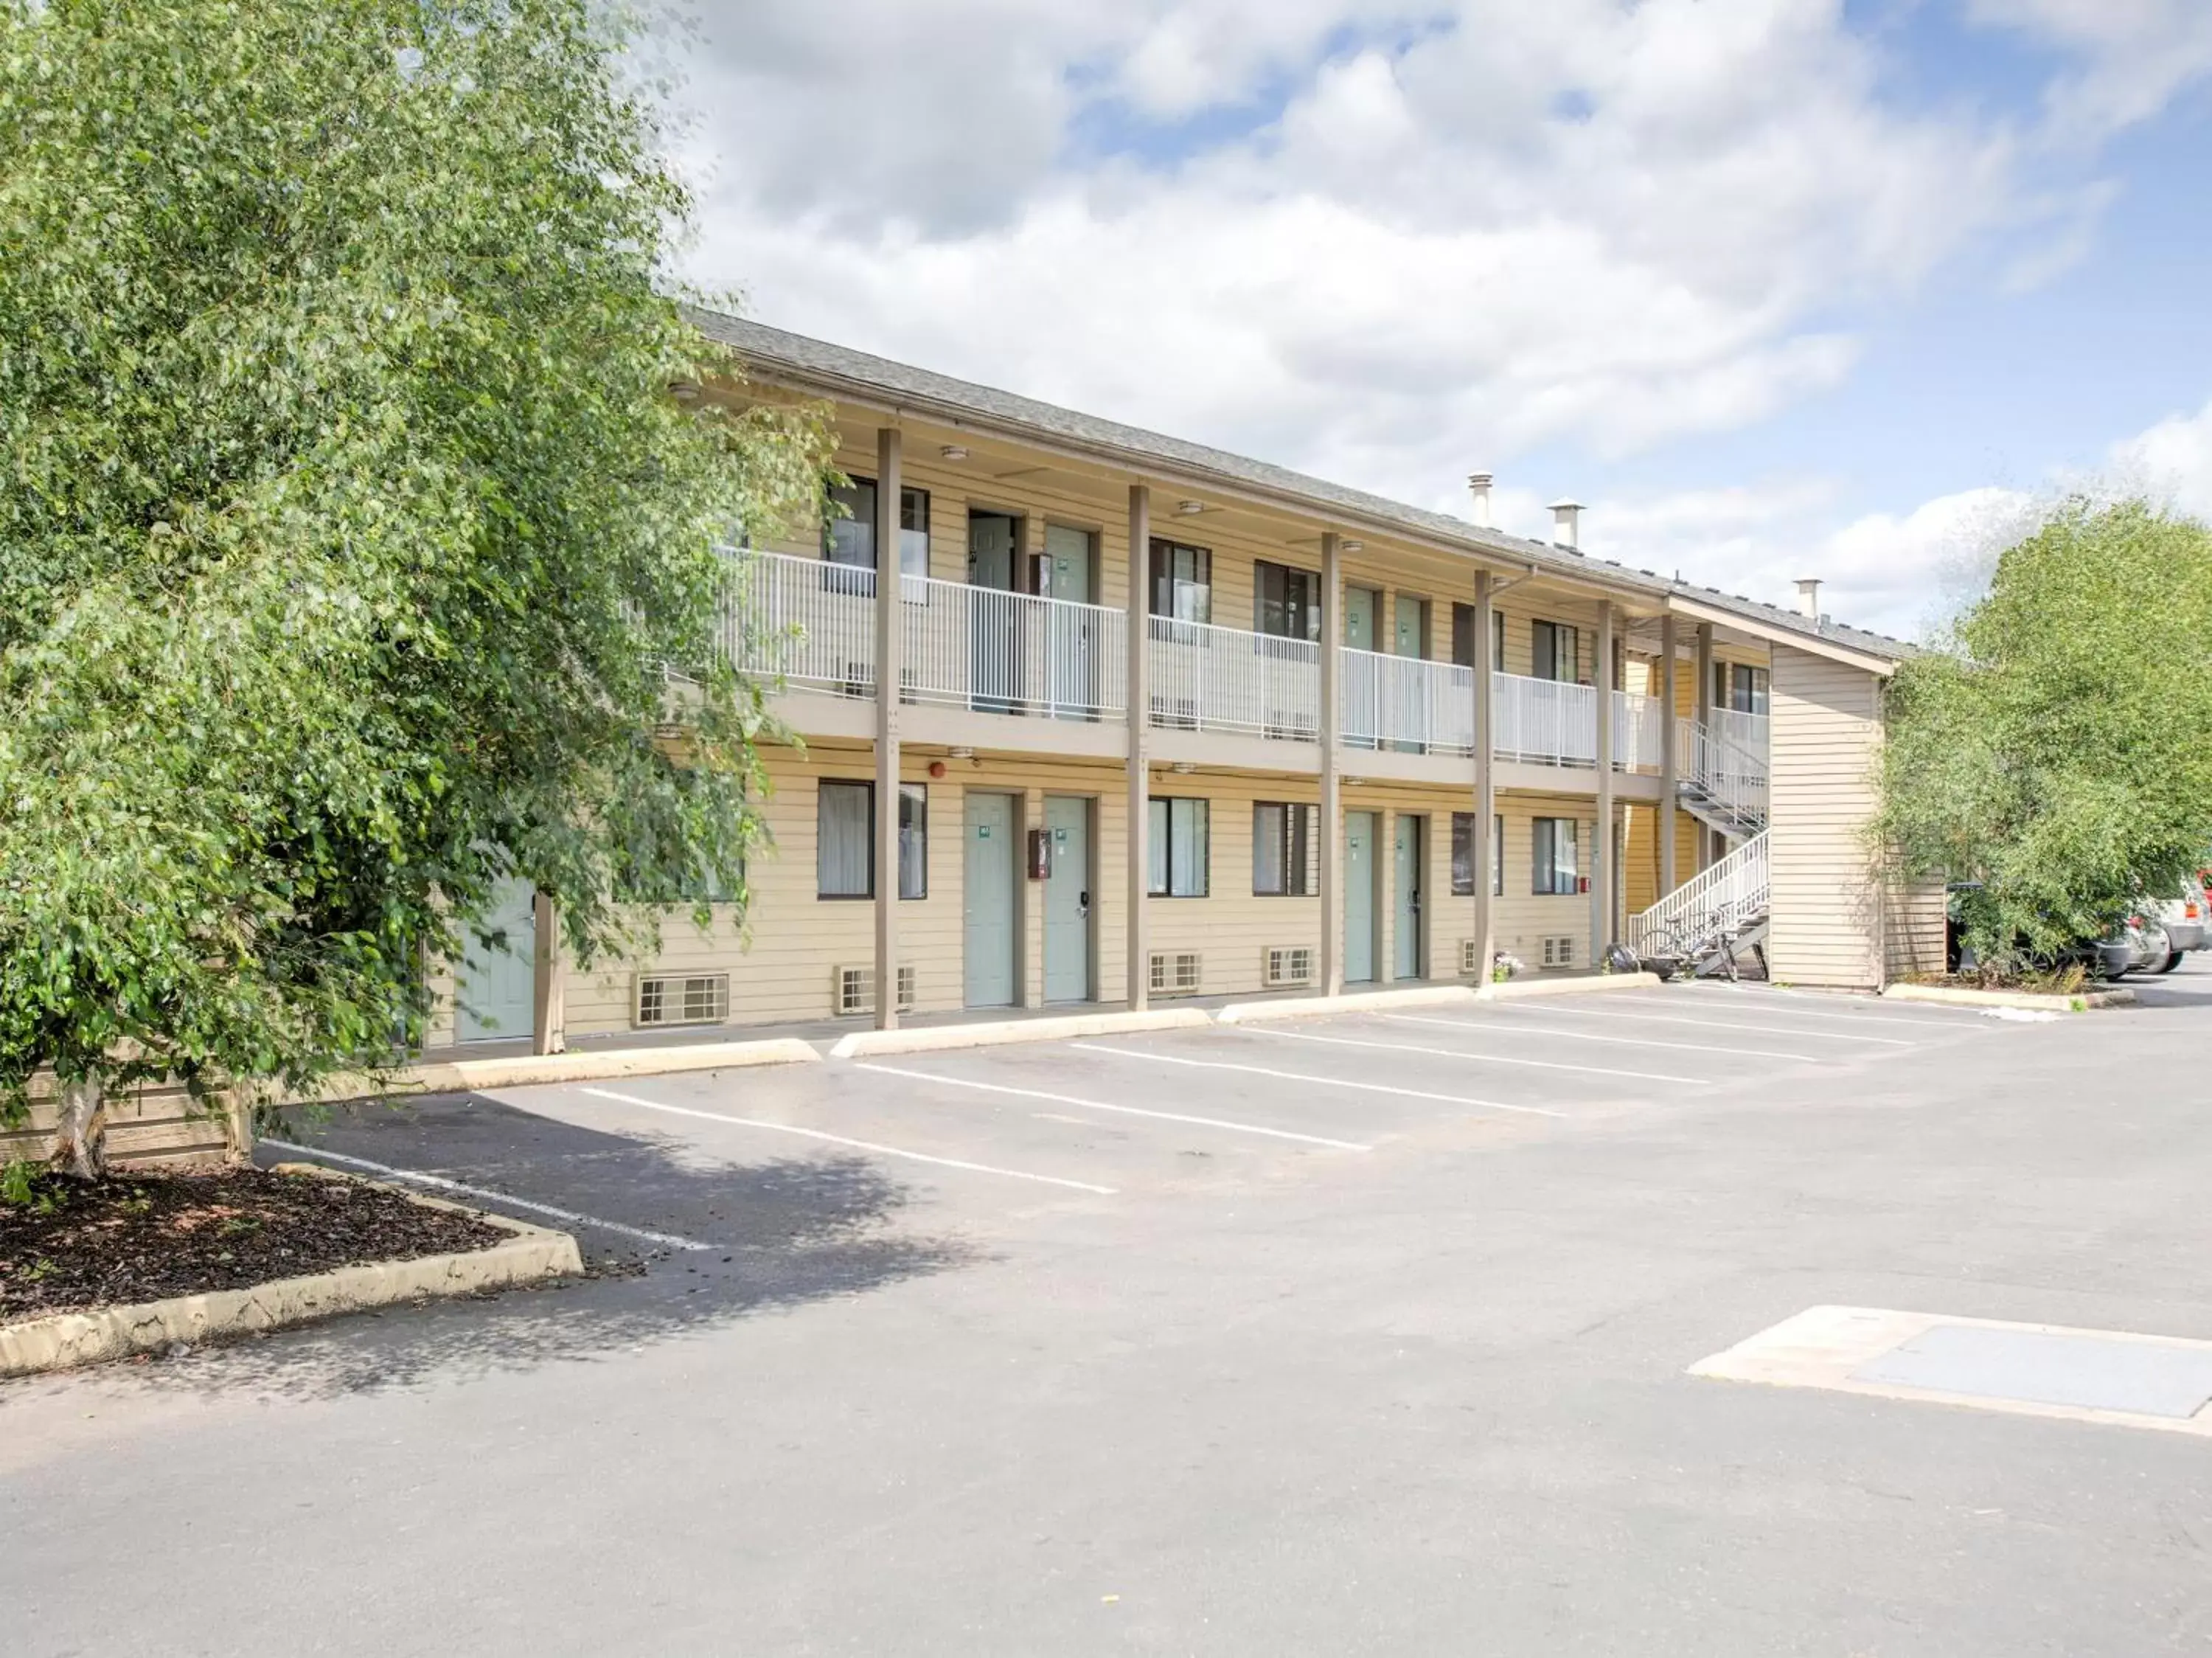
498 987
1405 852
1067 899
1358 897
994 672
990 868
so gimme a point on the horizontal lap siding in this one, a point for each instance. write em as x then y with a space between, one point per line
1914 930
146 1125
1826 729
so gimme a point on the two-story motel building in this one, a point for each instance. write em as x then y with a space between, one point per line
1173 722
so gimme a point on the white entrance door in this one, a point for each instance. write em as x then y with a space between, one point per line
1358 897
498 987
1067 899
1407 852
988 900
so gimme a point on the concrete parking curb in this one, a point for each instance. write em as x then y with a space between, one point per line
579 1065
1958 995
1321 1006
1513 990
65 1340
932 1039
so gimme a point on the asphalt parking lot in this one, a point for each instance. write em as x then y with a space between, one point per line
1362 1334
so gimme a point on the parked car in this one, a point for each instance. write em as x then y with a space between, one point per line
2173 928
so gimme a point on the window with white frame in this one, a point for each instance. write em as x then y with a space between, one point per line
1177 854
1557 863
1463 855
1554 651
1283 838
1740 687
845 840
851 539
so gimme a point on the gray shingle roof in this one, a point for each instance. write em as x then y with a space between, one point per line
820 367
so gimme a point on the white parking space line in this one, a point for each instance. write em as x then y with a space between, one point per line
1753 1028
1462 1054
857 1145
439 1183
1307 1076
1123 1111
1517 1029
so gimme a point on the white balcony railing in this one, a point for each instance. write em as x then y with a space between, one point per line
1636 732
804 621
1400 700
1222 678
812 624
1746 731
1548 721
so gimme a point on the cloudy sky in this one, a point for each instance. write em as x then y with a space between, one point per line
1779 288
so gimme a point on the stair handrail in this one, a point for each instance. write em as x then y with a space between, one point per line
1721 899
1726 772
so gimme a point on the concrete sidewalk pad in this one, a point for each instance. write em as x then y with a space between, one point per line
1513 990
991 1033
64 1340
1958 995
1322 1007
579 1065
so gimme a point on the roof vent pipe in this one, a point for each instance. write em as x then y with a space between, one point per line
1566 523
1478 485
1808 597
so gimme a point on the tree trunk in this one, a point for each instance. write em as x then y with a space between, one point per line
81 1132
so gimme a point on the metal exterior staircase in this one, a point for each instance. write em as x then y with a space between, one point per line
1723 784
1720 911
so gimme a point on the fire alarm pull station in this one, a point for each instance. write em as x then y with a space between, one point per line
1039 855
1582 883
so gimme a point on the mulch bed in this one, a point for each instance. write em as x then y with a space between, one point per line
81 1245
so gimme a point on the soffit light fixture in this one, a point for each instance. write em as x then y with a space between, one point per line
1352 546
1189 508
1182 768
954 451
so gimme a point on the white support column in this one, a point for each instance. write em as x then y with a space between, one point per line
891 622
1602 860
1670 763
1485 784
1331 978
1704 704
1140 723
548 1020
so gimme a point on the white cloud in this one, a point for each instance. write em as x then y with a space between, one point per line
1390 241
2170 463
2133 55
1465 229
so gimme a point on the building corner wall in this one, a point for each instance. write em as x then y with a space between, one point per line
1829 922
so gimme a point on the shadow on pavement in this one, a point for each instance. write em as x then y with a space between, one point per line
781 1234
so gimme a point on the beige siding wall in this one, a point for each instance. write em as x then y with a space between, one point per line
147 1126
784 970
1828 923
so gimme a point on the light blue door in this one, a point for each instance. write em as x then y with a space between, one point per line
1071 647
1359 618
1410 714
1358 897
994 673
498 985
1067 899
1406 853
988 900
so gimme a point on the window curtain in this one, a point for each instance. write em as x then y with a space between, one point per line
841 845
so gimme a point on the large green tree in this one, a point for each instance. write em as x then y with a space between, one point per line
348 529
2057 751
